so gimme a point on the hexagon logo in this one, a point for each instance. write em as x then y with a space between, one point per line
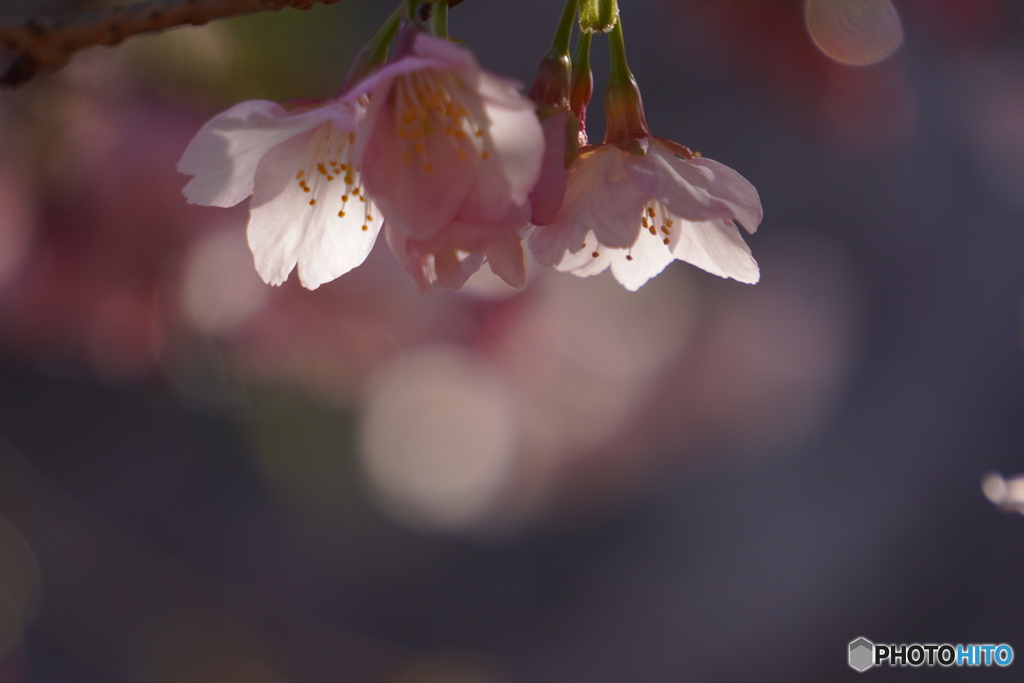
862 654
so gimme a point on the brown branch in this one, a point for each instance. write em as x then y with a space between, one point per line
49 41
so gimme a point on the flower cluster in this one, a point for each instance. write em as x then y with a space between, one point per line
457 167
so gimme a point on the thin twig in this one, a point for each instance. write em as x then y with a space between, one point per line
49 41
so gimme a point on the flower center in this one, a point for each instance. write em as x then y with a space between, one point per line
329 159
431 111
655 222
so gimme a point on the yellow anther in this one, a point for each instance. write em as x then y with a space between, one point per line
666 241
344 197
298 176
341 214
429 168
312 202
365 228
653 231
595 254
484 155
650 211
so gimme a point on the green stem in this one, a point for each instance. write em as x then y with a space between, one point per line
381 41
618 70
439 19
563 35
581 57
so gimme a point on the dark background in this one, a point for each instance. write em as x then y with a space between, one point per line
189 505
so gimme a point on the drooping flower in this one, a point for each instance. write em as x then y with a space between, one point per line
636 203
450 153
309 209
636 213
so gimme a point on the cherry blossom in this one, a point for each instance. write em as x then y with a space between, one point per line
636 203
636 213
309 209
451 153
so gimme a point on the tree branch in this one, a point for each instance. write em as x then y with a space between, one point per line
50 41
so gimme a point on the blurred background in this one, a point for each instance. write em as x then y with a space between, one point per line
204 479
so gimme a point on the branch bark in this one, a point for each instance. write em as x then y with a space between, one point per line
50 41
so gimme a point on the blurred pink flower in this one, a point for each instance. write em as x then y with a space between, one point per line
636 203
308 206
450 153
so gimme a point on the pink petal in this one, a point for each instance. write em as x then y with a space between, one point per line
225 153
476 236
428 54
513 142
428 265
548 193
419 195
507 261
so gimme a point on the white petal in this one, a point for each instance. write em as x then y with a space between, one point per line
695 189
632 267
600 197
583 262
635 266
717 247
285 229
225 153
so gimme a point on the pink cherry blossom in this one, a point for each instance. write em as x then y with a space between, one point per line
637 212
451 154
308 205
